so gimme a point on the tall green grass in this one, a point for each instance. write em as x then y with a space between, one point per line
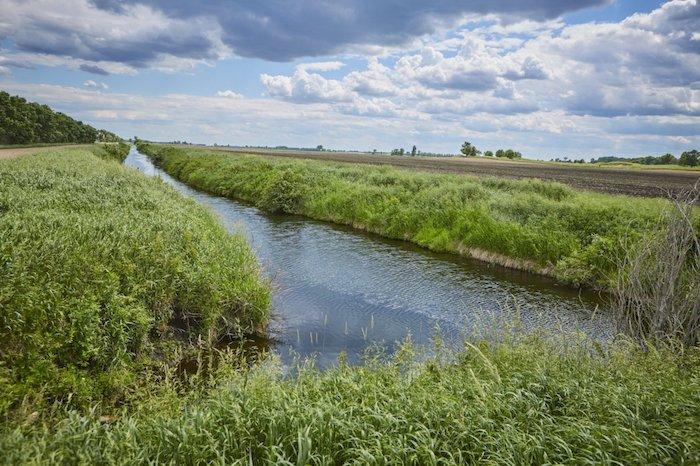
98 263
531 224
112 150
514 403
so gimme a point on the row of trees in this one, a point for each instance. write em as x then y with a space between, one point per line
689 158
23 122
469 150
414 151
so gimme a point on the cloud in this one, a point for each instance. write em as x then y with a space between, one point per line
137 35
322 66
140 32
229 94
9 62
94 69
364 124
95 85
634 67
306 87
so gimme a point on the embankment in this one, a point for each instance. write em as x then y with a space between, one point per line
98 264
534 225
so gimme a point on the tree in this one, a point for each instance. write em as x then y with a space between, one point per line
488 153
500 153
468 150
690 158
319 147
23 122
668 159
413 151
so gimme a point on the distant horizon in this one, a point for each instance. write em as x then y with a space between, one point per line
550 79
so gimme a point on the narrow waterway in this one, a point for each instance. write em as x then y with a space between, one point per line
336 289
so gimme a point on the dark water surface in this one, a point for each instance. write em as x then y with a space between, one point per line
336 289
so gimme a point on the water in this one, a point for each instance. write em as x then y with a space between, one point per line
338 290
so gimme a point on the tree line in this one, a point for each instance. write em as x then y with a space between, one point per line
469 150
23 122
690 158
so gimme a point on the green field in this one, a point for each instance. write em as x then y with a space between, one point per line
97 264
539 226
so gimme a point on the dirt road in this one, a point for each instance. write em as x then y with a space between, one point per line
16 152
649 183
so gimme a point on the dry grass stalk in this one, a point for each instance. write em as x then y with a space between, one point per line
657 293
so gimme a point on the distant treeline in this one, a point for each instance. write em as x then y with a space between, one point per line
689 158
23 122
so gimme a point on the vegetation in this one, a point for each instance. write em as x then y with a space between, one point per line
508 154
541 226
98 265
468 150
657 293
526 402
23 122
689 158
107 277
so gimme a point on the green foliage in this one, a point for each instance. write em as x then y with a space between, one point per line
508 154
97 262
283 192
690 158
468 150
23 122
112 151
528 223
515 403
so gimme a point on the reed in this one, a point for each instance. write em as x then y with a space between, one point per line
98 265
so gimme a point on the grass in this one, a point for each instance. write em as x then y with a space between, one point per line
521 402
544 227
98 263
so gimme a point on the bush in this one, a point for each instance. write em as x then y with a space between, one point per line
283 192
657 293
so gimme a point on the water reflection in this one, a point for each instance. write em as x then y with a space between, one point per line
337 290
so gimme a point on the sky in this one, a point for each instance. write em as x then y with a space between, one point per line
550 78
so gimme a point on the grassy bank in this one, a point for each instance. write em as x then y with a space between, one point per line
528 224
107 276
515 403
97 265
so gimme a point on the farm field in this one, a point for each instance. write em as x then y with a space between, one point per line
10 152
633 181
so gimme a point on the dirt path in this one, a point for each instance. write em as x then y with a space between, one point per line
648 183
16 152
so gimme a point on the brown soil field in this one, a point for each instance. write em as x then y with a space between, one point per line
16 152
648 183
